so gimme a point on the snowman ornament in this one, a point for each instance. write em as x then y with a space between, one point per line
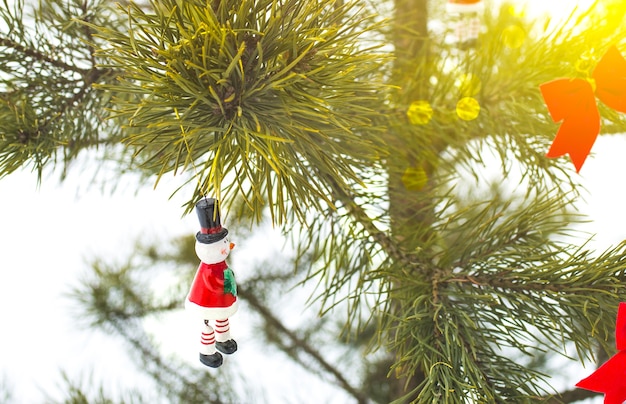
213 293
465 17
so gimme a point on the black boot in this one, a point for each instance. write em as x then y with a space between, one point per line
213 361
227 347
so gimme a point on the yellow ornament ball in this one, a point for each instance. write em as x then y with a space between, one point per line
513 36
414 178
517 11
467 108
420 112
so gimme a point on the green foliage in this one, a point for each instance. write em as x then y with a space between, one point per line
47 68
469 302
490 283
465 289
292 106
265 99
513 123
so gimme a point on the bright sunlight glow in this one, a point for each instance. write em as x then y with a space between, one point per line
557 10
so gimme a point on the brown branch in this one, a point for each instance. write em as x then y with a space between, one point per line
570 396
88 76
383 239
88 32
41 57
495 281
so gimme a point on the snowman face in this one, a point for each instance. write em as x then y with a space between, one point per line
214 252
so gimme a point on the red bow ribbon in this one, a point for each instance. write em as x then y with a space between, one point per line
572 101
610 378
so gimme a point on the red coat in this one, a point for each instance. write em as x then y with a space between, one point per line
213 291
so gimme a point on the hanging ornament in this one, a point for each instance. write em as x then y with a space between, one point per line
465 20
415 178
572 101
610 378
213 293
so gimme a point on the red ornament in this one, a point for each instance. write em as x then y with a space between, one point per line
610 378
213 293
572 101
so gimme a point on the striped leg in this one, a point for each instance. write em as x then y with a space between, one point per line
225 343
460 30
474 28
222 328
208 355
207 340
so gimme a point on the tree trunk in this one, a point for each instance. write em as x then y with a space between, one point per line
410 39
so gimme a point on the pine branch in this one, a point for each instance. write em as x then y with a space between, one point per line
41 57
88 33
300 343
569 396
496 280
89 78
386 241
50 108
261 84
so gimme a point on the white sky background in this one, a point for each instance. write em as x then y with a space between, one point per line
48 233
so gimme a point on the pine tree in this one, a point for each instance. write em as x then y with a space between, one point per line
365 135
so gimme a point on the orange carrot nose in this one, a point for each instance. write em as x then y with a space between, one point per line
232 245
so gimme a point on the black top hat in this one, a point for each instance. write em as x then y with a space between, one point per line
211 229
